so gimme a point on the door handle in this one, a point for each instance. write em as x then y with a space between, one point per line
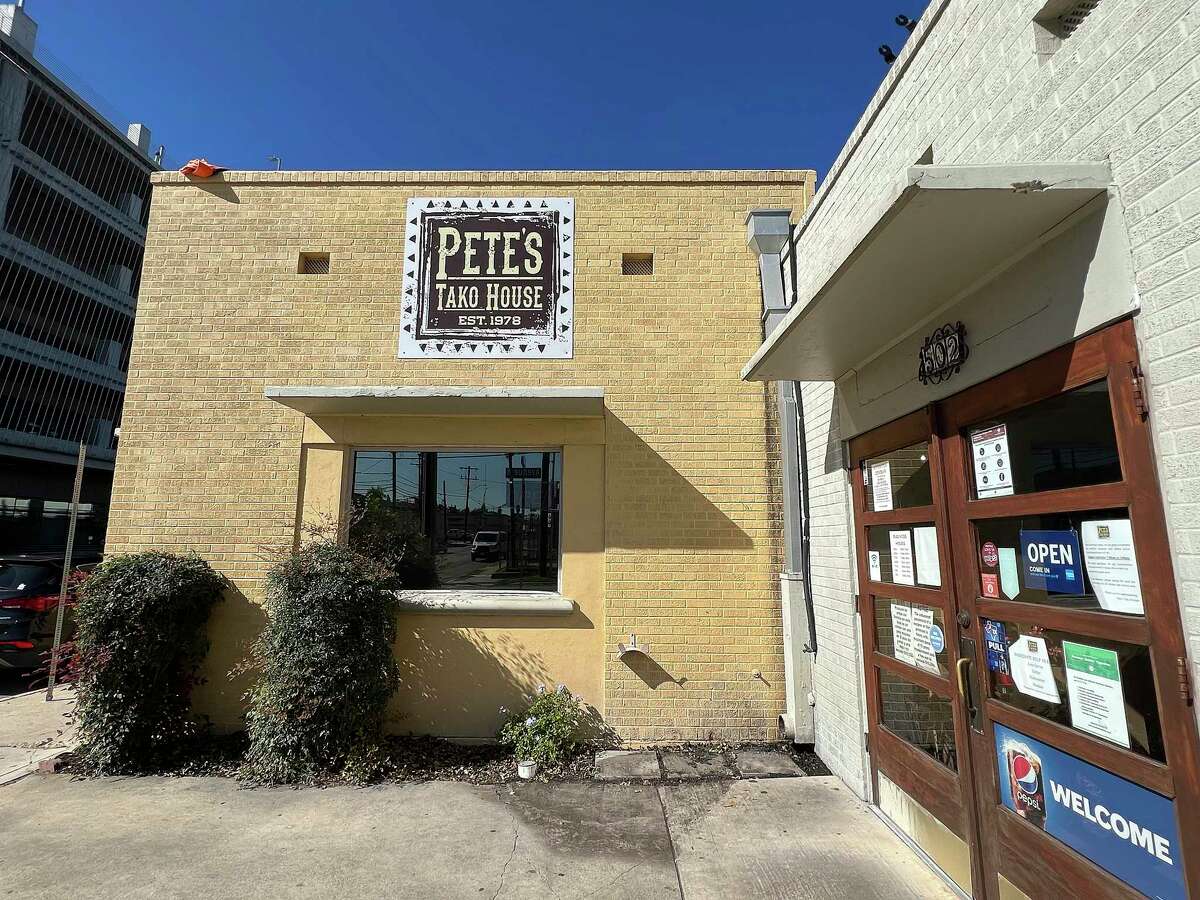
963 671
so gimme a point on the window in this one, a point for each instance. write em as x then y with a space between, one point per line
1065 441
460 519
899 479
918 716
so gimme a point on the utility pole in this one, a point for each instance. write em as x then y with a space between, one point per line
56 647
467 505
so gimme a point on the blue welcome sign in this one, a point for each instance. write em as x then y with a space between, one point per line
1052 561
1122 827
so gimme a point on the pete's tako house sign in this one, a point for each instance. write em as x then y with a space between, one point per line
488 277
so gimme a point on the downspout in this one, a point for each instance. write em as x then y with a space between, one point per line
767 231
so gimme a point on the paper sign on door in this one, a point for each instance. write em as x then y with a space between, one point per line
881 486
1094 690
989 459
1030 664
1112 566
902 633
902 557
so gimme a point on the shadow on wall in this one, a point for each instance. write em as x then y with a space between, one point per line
464 682
219 188
652 674
833 443
652 506
234 625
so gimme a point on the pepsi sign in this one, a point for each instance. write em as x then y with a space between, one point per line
1052 561
1122 827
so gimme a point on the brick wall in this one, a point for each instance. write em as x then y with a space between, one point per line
691 535
1124 88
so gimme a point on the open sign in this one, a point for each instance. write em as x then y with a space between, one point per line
1052 561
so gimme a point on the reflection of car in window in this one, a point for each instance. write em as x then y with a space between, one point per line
487 545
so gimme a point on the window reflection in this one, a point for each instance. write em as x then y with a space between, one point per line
904 554
918 716
460 519
903 632
1007 573
1064 441
1132 694
899 479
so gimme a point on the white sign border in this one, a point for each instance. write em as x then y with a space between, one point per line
561 346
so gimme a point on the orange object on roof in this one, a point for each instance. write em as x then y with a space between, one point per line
201 168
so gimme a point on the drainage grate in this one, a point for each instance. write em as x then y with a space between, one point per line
637 264
314 263
1073 18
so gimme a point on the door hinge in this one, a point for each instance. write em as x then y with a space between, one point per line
1141 400
1185 680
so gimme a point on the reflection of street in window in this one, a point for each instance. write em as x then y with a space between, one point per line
485 520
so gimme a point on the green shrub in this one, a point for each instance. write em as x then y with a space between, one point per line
548 730
140 641
326 668
391 534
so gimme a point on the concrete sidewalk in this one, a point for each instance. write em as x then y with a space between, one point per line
184 837
32 730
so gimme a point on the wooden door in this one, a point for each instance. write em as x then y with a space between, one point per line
1063 676
918 724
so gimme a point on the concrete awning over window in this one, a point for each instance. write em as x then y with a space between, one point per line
945 229
441 401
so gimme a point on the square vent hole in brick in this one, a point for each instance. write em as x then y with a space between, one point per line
314 263
637 263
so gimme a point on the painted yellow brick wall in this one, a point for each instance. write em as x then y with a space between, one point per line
691 511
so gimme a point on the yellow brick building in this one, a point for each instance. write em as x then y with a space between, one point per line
237 428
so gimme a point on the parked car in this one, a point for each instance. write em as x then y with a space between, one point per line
487 545
29 585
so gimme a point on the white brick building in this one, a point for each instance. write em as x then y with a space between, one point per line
1032 170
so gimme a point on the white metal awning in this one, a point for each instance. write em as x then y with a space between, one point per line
321 400
946 227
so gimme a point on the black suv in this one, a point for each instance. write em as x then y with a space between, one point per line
29 585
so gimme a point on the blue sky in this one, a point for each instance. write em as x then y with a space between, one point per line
488 85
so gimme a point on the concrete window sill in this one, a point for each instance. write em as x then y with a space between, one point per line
526 603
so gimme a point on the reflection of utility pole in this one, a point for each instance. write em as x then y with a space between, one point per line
467 505
521 546
512 525
543 512
445 516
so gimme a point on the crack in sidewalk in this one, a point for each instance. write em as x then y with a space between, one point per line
662 804
516 838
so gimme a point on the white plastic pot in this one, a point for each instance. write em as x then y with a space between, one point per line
527 768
